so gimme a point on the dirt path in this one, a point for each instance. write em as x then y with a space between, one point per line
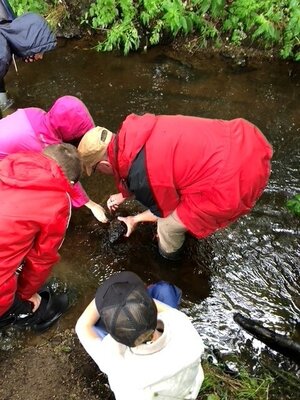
57 368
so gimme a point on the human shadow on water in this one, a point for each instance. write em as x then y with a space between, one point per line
139 254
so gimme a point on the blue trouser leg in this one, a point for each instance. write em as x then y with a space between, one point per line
165 292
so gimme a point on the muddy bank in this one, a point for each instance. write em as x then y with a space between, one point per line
55 368
187 50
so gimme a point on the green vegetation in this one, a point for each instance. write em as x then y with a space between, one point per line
218 385
56 11
22 6
294 205
272 384
130 24
262 23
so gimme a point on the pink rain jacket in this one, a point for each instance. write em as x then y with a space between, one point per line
32 129
210 171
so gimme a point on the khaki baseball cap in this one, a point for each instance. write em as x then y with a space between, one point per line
93 146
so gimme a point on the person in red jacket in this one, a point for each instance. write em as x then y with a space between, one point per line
194 175
35 191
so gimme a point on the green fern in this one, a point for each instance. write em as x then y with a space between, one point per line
22 6
121 35
294 205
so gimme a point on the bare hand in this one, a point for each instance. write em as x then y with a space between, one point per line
114 201
130 223
29 59
99 213
35 299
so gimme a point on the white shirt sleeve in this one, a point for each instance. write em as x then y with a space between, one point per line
91 345
106 352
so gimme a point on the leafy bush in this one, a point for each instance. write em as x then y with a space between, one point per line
271 22
291 34
123 18
22 6
294 205
265 22
56 11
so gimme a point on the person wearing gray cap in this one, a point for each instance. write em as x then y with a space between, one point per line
146 348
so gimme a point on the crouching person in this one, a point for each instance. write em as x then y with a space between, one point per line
35 191
151 350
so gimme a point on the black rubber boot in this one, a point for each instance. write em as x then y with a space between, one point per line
174 256
50 310
6 321
57 304
19 309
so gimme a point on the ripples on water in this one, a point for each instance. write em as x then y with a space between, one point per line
251 267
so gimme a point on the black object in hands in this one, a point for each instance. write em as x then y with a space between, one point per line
116 231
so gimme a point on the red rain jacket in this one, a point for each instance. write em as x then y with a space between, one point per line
210 171
34 214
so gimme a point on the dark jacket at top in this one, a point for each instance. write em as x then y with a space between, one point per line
24 36
6 12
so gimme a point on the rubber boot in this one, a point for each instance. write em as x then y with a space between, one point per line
19 309
174 256
50 310
57 304
6 321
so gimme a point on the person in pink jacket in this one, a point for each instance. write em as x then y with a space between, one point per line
32 129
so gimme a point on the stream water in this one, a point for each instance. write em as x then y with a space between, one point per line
251 267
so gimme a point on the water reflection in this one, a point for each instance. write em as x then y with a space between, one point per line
251 267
